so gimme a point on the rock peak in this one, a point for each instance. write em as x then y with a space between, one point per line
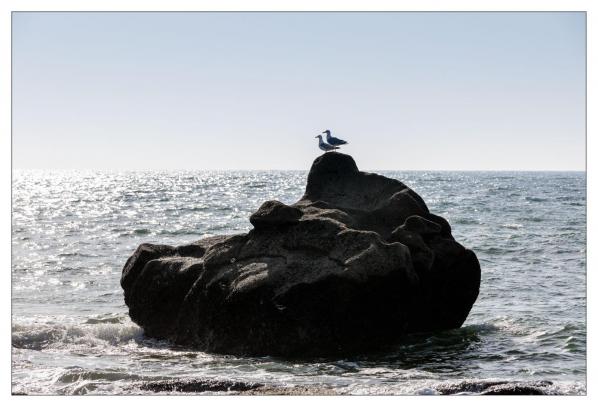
334 162
327 174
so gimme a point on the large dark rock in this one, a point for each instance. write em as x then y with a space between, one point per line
358 261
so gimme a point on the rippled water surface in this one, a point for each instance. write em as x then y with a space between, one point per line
73 231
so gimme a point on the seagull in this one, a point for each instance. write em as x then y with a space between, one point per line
333 141
325 146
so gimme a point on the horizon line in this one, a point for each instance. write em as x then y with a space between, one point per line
292 169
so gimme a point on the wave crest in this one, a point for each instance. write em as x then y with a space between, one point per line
57 336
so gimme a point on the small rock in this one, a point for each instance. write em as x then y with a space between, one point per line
198 386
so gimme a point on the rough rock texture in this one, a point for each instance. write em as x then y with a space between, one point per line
199 386
498 387
358 261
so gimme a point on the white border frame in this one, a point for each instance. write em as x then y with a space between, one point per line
7 6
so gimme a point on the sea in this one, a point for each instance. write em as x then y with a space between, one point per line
72 232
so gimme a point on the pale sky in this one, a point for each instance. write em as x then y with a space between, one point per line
409 91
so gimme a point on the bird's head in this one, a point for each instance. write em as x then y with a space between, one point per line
327 132
319 136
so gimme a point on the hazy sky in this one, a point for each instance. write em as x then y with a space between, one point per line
409 91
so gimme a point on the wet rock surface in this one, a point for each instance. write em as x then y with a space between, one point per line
199 386
226 386
498 387
231 387
357 262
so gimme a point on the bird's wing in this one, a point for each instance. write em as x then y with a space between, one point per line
337 140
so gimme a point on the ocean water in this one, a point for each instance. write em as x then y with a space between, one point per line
73 232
